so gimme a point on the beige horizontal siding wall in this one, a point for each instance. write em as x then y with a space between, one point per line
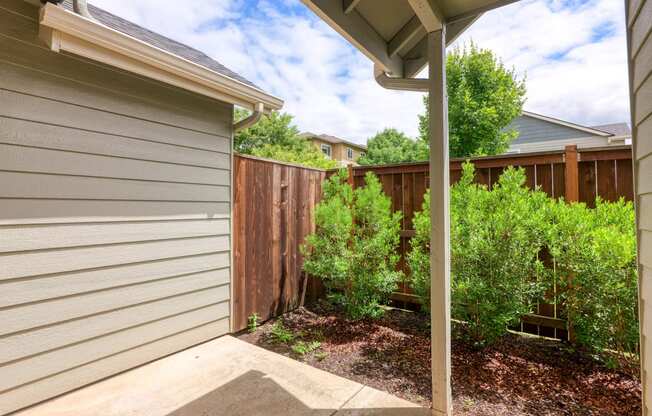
639 24
114 217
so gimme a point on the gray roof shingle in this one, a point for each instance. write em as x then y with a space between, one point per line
160 41
617 129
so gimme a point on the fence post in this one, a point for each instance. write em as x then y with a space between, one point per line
572 173
350 178
572 195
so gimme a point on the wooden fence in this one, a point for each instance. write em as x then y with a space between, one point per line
272 214
576 175
274 205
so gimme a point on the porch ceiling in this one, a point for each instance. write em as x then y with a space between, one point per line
391 32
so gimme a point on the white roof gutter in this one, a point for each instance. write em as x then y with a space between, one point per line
63 30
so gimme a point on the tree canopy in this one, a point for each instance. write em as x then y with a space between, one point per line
483 98
392 146
275 137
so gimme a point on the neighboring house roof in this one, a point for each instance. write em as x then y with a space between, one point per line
331 139
617 129
160 41
114 41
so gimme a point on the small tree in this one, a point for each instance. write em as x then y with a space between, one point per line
273 129
496 236
595 255
302 153
275 137
354 250
483 98
392 146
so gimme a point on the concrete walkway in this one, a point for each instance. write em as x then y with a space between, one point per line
226 377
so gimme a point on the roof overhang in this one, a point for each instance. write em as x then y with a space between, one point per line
392 33
66 31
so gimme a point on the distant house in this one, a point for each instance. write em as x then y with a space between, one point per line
538 133
343 151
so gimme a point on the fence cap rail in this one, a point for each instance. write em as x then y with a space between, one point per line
525 156
278 162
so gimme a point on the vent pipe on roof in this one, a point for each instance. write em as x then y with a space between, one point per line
401 84
81 8
251 120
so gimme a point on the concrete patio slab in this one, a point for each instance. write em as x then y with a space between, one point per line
226 377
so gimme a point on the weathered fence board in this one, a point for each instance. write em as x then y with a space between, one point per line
272 213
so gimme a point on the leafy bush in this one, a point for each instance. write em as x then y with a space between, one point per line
354 250
496 236
595 257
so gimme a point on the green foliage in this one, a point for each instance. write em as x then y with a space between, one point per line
496 238
483 98
302 347
354 250
273 129
595 256
302 153
275 137
392 146
253 322
281 334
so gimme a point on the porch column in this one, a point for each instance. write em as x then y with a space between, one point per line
440 231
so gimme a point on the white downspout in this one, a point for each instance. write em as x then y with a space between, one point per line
259 109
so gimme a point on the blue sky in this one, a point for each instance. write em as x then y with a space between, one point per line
572 53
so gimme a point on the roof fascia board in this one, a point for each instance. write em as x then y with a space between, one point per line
568 124
358 32
67 31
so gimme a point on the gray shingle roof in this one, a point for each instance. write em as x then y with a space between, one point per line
160 41
617 129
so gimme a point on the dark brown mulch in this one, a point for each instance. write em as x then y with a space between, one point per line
517 376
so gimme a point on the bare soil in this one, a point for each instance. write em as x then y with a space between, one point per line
517 376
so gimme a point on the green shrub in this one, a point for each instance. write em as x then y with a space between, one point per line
496 236
354 250
595 258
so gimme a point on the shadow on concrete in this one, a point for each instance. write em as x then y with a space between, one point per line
256 394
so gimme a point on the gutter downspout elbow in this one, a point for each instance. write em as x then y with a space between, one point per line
81 8
400 84
259 109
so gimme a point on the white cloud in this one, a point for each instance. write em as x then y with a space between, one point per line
329 86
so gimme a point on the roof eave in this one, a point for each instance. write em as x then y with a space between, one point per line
66 31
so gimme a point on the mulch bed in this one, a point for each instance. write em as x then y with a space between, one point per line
517 376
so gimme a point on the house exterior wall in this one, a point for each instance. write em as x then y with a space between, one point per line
639 22
534 130
558 144
114 220
338 151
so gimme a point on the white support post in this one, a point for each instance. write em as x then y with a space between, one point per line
440 231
